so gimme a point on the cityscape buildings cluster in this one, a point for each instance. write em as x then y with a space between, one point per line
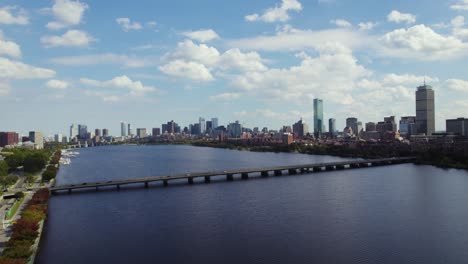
421 125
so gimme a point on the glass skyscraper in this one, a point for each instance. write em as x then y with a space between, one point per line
318 116
425 116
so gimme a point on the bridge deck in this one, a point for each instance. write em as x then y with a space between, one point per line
165 178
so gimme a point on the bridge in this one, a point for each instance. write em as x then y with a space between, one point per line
244 173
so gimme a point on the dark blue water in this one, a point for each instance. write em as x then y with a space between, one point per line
396 214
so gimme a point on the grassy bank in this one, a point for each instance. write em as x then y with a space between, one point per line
14 208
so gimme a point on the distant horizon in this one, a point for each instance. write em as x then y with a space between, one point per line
261 62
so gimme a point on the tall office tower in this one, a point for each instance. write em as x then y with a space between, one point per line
156 131
171 127
202 123
408 125
58 138
105 132
141 132
129 130
214 122
82 131
300 129
97 132
318 116
371 127
73 131
332 126
352 122
123 129
209 126
37 138
425 116
234 130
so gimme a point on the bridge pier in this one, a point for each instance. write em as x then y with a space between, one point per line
118 187
329 168
229 177
317 169
278 172
146 184
340 167
165 183
292 171
190 180
207 179
264 173
244 176
303 170
69 190
354 165
363 165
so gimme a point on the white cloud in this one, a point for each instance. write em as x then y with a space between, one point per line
291 39
341 23
67 13
189 51
4 88
17 70
456 85
407 79
71 38
127 25
151 23
104 59
366 25
277 13
235 59
461 5
57 84
13 15
421 42
397 17
225 97
187 69
9 48
458 21
136 88
203 35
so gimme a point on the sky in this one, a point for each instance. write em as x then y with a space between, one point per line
260 62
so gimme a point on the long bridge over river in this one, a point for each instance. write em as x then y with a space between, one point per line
244 173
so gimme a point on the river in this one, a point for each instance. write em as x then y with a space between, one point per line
396 214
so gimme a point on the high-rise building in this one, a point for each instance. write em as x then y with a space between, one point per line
202 123
123 129
82 131
37 138
352 123
332 126
214 122
209 126
73 131
129 129
457 126
97 132
105 132
300 129
141 132
371 127
234 130
8 139
425 110
408 125
156 131
388 125
318 117
58 138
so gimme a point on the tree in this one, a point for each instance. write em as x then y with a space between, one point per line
34 162
3 168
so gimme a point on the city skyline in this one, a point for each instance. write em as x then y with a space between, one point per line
96 66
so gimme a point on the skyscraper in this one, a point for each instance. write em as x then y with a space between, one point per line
73 131
97 132
214 122
332 126
202 123
82 131
37 138
425 116
123 129
129 131
318 116
105 132
352 123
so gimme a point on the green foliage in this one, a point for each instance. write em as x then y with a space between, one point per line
19 195
3 168
6 181
48 175
35 162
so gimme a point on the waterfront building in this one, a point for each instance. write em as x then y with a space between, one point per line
156 131
318 117
123 129
288 138
97 132
82 131
425 110
209 127
332 126
74 131
170 127
457 126
352 123
214 122
129 130
105 132
8 139
202 123
388 125
234 130
408 126
371 127
58 138
300 129
65 140
37 138
141 132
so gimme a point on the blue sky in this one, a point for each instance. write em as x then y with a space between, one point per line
259 62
